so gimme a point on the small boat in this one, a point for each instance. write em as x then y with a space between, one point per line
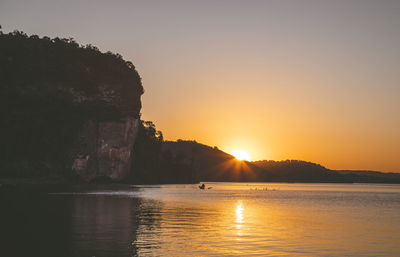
202 186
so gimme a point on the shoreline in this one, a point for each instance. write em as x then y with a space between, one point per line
46 185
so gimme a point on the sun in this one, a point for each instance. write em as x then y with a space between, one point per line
241 155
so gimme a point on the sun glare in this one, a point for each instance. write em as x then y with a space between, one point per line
241 155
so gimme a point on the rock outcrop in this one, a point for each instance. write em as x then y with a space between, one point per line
105 149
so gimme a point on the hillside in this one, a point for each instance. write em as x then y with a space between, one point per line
212 164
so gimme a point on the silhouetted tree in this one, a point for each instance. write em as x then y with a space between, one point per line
147 150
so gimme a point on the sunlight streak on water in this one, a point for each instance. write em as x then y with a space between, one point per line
239 218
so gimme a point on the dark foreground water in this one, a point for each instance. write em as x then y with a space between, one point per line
230 219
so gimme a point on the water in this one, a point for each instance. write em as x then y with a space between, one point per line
230 219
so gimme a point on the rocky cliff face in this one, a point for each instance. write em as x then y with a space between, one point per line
105 149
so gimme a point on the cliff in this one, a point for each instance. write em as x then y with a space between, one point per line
66 109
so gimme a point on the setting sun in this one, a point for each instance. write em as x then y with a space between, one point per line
241 155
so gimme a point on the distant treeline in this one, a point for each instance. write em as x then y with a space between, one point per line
211 164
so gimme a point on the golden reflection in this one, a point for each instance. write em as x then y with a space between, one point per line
239 218
239 212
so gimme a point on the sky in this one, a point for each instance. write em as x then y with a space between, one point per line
307 80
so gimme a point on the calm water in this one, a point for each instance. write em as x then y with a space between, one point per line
230 219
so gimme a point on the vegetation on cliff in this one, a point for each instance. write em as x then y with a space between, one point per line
152 165
48 88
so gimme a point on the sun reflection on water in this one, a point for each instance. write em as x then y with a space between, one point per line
239 218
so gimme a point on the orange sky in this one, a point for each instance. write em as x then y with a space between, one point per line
310 80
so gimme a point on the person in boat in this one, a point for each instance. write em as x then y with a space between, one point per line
202 186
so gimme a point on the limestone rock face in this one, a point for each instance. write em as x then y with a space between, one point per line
104 149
